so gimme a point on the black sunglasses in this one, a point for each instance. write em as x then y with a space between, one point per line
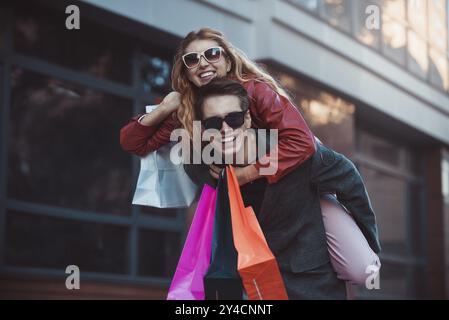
192 59
233 119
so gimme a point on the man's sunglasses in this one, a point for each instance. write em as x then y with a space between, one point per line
192 59
234 120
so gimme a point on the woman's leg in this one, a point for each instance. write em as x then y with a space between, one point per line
333 172
349 251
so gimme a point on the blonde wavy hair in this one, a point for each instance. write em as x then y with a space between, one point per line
242 69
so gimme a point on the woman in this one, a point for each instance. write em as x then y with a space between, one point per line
203 56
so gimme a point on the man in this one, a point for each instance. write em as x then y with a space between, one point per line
288 211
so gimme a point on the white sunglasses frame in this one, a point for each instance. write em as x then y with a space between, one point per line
202 56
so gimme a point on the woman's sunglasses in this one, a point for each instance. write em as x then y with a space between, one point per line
192 59
234 120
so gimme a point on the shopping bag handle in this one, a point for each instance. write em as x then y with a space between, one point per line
234 181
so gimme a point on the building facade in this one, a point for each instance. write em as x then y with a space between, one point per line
371 78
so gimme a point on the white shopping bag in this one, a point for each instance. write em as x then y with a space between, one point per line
162 183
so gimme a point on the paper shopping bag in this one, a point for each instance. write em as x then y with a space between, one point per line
256 265
162 183
187 283
222 281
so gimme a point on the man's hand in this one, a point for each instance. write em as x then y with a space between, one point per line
214 171
244 174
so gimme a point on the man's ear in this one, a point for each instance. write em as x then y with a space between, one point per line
247 120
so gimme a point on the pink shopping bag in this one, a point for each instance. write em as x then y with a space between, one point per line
187 283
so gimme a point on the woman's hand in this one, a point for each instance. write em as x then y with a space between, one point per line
171 102
244 174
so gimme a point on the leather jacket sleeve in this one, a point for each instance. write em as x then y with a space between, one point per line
141 140
269 110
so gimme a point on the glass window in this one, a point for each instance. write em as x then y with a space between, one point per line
417 16
389 169
410 162
364 35
397 157
155 74
393 30
311 5
151 211
64 145
438 69
44 242
2 27
417 55
389 200
337 13
380 149
394 9
437 24
394 38
91 49
417 241
158 253
447 32
330 116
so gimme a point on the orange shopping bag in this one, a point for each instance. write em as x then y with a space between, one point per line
256 263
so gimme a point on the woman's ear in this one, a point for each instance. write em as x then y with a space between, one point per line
247 120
